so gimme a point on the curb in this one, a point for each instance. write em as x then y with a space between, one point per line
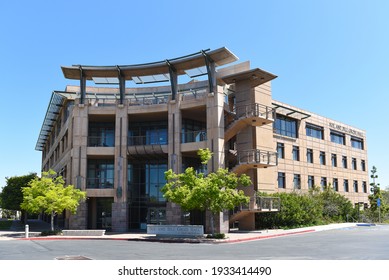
175 240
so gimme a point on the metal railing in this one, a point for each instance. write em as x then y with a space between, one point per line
193 94
150 100
193 136
263 203
256 156
254 110
101 141
102 102
157 139
99 183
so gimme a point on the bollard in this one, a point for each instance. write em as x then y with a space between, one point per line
26 231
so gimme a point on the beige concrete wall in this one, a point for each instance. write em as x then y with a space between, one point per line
302 167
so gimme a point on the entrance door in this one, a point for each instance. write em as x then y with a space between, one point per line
156 215
104 213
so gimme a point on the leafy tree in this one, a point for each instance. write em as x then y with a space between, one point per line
214 192
11 196
48 194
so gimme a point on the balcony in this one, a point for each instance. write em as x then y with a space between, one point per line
99 183
194 136
148 144
101 141
242 116
254 158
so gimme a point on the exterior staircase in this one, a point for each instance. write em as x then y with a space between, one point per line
253 114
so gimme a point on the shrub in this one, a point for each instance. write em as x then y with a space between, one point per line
313 208
51 232
216 236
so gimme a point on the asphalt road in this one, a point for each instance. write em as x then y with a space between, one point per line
356 243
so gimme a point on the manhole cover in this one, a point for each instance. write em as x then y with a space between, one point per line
72 258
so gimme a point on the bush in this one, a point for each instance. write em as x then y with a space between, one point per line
216 236
314 208
51 232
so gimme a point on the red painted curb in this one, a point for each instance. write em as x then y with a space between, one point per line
267 236
173 241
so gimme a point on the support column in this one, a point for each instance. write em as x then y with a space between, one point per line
122 86
120 205
211 70
173 79
79 159
173 211
215 142
82 86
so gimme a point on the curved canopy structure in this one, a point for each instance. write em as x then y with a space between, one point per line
192 65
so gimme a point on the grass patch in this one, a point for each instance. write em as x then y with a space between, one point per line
5 225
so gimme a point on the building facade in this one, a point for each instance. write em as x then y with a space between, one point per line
115 141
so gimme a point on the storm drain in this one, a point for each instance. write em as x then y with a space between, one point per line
66 258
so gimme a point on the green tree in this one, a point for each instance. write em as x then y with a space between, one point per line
11 196
48 194
214 192
376 193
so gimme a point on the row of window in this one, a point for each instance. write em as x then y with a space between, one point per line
323 182
287 126
322 157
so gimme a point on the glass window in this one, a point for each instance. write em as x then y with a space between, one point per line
100 174
363 165
334 160
281 180
322 158
337 137
345 185
357 143
285 126
323 182
314 131
101 134
193 131
147 133
356 186
309 155
364 187
335 184
344 161
311 181
296 153
297 181
354 163
280 150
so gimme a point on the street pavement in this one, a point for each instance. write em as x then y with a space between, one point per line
36 227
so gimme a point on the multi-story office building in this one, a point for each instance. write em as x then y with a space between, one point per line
116 140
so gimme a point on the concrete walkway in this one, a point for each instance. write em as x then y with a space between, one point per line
234 236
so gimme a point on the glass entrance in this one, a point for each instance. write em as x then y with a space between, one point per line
100 213
146 202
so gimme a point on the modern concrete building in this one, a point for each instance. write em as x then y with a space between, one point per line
116 140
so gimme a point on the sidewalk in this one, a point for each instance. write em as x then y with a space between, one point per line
231 237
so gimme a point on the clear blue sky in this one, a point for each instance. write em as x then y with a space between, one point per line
331 57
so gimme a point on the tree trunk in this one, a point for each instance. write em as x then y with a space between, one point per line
52 220
212 224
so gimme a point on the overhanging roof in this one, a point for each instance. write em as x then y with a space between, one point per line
256 76
52 113
219 56
290 112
